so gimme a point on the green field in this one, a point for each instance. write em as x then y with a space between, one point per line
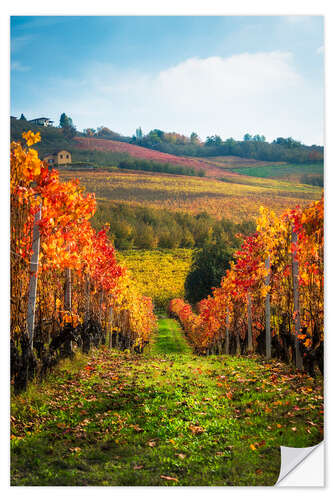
288 172
165 418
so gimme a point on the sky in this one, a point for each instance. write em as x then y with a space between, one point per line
225 75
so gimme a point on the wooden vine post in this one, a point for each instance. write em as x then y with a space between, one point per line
33 278
68 348
297 319
249 323
227 338
68 290
268 312
87 314
110 326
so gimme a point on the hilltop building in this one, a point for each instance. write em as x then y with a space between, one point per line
45 122
61 157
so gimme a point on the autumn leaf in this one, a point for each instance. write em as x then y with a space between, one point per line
137 428
169 478
196 429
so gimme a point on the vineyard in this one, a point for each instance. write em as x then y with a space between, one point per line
86 143
158 274
276 281
238 200
66 284
116 380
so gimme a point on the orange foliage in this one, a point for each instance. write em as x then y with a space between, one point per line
68 242
227 306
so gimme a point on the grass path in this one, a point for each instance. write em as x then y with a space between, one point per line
167 417
169 339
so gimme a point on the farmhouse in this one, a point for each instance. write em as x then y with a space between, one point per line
61 157
45 122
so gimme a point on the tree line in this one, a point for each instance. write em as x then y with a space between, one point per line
252 146
154 166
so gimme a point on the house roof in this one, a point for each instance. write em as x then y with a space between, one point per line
41 118
56 152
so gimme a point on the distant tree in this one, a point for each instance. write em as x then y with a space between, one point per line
258 138
22 117
138 133
156 136
213 140
247 137
209 265
145 236
106 132
194 138
89 132
289 142
68 128
65 121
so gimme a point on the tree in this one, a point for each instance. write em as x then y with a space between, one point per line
138 133
247 137
89 132
208 267
258 138
68 128
213 140
22 117
194 138
65 121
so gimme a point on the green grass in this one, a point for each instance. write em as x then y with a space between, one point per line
170 339
286 172
120 419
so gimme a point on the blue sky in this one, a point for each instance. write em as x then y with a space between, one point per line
224 75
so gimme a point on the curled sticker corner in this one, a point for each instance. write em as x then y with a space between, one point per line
291 458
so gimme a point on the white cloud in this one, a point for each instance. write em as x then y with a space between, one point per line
257 93
320 50
19 42
17 66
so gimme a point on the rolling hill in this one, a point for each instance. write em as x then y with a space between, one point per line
106 145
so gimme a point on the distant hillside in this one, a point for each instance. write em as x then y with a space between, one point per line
115 151
52 137
255 147
106 145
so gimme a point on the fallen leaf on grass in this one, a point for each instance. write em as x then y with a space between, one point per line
138 467
181 455
137 428
151 443
196 429
252 447
169 478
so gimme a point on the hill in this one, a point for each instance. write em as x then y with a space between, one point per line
106 145
238 200
114 150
